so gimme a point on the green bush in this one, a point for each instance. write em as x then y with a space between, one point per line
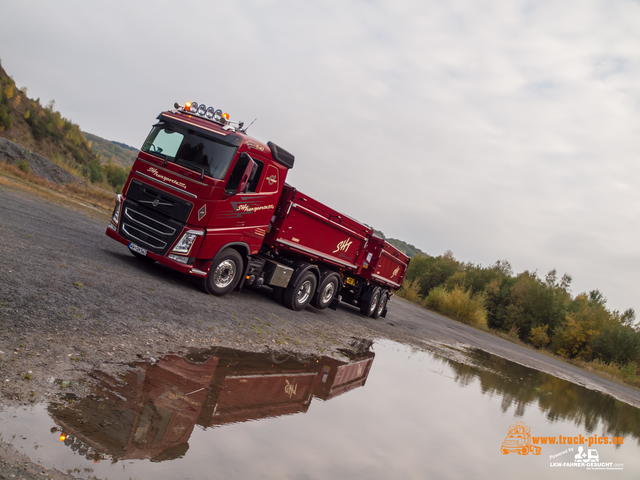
24 166
587 318
617 343
460 304
410 291
539 337
6 120
93 170
116 175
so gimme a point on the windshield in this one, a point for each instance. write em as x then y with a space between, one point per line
190 149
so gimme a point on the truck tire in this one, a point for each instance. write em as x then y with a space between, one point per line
326 293
382 304
225 273
368 308
299 296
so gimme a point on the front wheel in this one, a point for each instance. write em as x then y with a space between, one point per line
300 295
225 273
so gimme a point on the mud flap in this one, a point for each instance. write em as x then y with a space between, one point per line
335 302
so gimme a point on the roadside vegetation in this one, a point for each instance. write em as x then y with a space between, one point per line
96 198
45 131
526 308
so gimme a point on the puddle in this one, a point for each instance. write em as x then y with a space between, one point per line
393 412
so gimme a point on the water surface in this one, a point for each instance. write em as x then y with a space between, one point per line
394 412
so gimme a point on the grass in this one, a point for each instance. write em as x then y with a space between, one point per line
89 197
459 304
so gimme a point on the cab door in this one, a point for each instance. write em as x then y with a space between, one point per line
248 203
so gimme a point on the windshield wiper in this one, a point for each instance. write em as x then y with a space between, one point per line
190 166
157 153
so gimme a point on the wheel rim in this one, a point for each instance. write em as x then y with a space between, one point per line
381 305
327 293
374 303
224 274
304 292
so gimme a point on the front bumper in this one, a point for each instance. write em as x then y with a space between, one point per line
200 268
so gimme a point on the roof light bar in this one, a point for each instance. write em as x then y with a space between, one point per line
210 113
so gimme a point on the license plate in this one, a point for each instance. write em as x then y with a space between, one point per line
351 281
137 249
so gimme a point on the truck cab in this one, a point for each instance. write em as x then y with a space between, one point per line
198 187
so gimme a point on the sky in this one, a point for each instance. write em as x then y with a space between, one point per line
494 129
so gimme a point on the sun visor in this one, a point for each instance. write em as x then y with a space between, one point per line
228 138
281 155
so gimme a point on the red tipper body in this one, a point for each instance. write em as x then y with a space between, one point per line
307 227
384 263
209 201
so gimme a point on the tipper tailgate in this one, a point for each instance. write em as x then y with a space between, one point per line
312 229
386 264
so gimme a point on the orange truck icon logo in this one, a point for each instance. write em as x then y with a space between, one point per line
519 440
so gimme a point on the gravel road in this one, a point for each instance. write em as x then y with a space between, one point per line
72 300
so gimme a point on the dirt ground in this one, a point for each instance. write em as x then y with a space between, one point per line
73 300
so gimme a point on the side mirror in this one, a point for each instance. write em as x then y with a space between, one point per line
246 176
241 175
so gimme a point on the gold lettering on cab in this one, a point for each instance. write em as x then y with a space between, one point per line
250 208
343 246
164 178
255 146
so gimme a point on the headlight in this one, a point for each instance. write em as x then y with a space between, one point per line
185 243
116 211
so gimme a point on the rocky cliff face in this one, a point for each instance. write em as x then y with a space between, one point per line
14 154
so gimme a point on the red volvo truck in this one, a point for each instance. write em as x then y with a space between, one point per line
207 200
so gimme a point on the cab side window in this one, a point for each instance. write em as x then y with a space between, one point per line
238 170
254 181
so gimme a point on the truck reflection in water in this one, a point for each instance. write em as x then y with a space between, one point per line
151 411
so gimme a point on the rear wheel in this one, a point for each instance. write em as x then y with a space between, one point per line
326 293
225 273
300 295
369 307
382 304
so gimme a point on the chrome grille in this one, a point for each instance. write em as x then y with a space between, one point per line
148 222
149 228
142 237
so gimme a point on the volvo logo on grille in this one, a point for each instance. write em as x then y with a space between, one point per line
156 202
